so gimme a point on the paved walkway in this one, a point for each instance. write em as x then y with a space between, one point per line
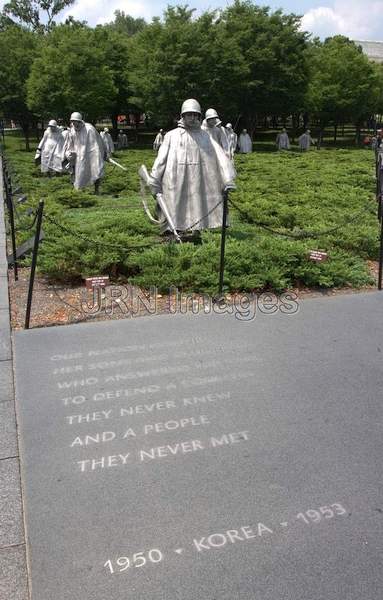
13 571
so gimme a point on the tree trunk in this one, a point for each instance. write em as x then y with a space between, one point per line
25 128
252 119
335 131
321 134
357 134
305 120
114 127
295 124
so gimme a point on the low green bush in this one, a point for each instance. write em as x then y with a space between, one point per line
289 193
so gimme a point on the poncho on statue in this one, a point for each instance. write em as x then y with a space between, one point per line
282 141
86 146
191 170
213 126
232 139
305 140
245 145
107 141
51 149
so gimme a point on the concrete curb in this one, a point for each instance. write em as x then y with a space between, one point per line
13 565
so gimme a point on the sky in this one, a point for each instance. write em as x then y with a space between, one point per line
357 19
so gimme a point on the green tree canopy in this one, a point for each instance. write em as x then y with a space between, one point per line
18 49
344 85
114 45
242 60
71 73
37 15
273 51
126 24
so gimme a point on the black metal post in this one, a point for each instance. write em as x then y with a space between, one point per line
223 241
34 262
8 193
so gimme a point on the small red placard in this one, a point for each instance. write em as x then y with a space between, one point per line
100 281
318 255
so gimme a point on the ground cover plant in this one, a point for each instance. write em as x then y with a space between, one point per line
278 194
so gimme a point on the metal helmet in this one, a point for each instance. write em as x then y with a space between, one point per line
106 129
76 116
52 123
229 126
191 105
211 113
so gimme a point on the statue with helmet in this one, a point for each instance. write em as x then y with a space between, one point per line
189 176
232 139
50 151
213 125
85 153
107 141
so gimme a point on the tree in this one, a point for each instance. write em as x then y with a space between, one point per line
70 74
243 61
116 58
18 49
344 85
176 59
126 24
35 14
273 49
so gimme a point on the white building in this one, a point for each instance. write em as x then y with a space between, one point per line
374 50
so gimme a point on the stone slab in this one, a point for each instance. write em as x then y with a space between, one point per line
8 441
3 261
13 574
4 301
6 383
206 457
5 335
11 525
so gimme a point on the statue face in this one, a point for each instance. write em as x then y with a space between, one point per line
211 122
77 125
191 119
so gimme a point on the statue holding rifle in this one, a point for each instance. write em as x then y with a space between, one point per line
189 176
85 153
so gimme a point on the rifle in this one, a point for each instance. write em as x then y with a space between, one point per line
145 178
114 162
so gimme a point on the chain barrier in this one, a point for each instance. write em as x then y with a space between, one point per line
191 227
114 246
27 227
300 235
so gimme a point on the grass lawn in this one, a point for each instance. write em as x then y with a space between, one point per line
287 192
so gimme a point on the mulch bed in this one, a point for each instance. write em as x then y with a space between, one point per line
58 304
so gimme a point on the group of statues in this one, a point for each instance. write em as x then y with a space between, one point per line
79 150
224 136
304 141
193 169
